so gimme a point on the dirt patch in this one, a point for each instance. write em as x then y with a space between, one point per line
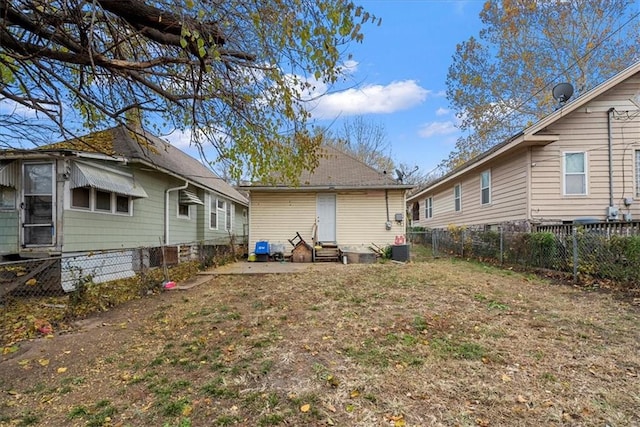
432 343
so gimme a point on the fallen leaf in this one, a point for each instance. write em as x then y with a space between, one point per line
506 378
9 350
521 399
305 408
187 410
62 370
330 407
43 362
31 282
354 393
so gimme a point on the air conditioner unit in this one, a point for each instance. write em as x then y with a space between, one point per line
612 213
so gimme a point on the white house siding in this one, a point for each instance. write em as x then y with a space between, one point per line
361 217
508 196
586 130
276 217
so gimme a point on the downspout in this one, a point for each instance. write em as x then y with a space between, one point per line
386 201
610 139
166 209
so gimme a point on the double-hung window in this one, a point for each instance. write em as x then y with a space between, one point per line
485 187
229 216
213 213
428 211
575 173
222 207
457 197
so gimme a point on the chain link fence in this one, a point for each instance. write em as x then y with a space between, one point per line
587 255
42 296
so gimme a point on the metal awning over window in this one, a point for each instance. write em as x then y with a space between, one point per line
189 198
9 173
85 175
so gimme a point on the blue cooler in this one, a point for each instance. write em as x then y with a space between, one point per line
262 251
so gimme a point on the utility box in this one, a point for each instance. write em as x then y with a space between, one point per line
400 253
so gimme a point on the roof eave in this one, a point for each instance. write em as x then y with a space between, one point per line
286 188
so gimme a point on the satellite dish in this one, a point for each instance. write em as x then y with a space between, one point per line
400 175
562 92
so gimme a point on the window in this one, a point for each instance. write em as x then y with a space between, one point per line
122 204
415 211
7 197
457 197
94 200
103 201
428 211
213 213
81 198
485 187
637 173
183 210
229 216
575 174
221 214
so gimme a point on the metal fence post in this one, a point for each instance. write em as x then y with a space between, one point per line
501 245
462 244
575 253
434 243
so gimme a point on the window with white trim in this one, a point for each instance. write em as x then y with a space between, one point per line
575 173
184 211
457 197
229 216
222 208
428 211
220 214
485 187
94 200
213 213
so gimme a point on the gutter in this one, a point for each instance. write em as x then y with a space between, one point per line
610 146
166 209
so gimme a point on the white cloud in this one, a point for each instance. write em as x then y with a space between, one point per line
442 111
180 138
437 128
370 99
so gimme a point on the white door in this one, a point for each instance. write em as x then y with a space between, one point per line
326 217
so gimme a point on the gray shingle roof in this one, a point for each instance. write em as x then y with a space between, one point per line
338 169
143 146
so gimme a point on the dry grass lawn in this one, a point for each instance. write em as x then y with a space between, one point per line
436 343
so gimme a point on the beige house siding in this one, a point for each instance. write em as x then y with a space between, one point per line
508 196
585 130
360 217
275 217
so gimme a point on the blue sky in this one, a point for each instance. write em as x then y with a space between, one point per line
398 78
